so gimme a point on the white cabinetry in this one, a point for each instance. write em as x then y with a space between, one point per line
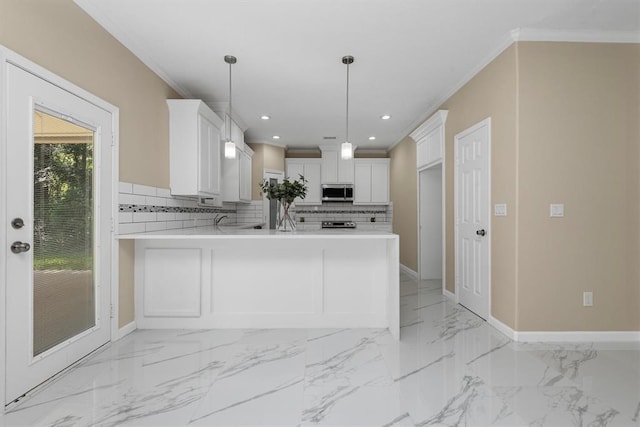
371 185
194 148
236 178
334 169
430 140
311 170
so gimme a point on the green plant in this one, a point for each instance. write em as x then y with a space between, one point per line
286 191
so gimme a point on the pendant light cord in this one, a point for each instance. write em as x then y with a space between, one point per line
347 125
230 102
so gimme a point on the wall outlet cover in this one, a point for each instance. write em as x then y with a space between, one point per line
500 209
556 210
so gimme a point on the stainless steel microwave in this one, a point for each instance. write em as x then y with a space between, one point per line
337 192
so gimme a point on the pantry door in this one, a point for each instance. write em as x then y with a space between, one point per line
59 198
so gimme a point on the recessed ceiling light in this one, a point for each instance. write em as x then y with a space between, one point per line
385 117
265 117
275 137
371 138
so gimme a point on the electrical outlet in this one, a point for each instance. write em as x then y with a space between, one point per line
587 299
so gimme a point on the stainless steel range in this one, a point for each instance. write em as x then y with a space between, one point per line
338 224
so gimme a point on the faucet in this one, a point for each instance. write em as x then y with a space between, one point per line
218 218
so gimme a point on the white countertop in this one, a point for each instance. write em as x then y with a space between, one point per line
226 232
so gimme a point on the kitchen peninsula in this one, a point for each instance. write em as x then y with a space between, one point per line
209 277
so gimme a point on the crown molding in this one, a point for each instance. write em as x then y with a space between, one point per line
125 39
272 143
436 120
522 35
222 107
579 36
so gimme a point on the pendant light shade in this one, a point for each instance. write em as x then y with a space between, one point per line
347 149
229 145
230 150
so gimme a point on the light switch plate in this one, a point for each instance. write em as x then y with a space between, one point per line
500 209
556 210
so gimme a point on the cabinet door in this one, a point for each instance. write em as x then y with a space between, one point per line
380 183
312 172
329 167
206 167
245 176
362 183
345 171
294 170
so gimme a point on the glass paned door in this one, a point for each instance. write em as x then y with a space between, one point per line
59 210
63 229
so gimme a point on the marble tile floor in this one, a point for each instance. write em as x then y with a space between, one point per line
450 368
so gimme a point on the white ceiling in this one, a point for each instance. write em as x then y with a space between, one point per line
409 54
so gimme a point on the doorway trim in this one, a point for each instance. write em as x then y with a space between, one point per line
266 174
7 57
486 122
444 223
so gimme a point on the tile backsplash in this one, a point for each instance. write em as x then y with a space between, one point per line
366 217
144 208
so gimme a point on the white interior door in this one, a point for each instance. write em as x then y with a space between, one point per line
472 162
59 213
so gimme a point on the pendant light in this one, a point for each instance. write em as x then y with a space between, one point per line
229 145
347 148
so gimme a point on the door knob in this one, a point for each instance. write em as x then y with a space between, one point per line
481 232
17 223
18 247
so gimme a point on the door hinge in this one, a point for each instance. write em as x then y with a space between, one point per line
113 225
113 140
112 312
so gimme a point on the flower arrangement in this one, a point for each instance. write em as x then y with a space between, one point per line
285 193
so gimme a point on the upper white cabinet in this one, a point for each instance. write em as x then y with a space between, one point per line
236 179
371 186
334 169
237 135
195 149
311 170
430 139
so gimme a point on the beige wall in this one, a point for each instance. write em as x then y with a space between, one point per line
403 193
265 157
491 93
59 36
579 140
565 129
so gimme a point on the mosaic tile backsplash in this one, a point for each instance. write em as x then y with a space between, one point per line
144 208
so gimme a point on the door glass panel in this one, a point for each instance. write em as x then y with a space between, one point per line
63 229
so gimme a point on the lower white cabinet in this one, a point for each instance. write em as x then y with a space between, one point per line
236 178
311 170
268 280
371 182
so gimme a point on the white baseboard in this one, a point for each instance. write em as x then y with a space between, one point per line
408 271
126 330
565 336
449 295
578 336
502 328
